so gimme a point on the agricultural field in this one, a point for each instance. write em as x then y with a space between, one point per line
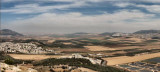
131 40
74 50
127 59
114 50
98 48
32 57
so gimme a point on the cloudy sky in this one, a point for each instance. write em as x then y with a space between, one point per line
69 16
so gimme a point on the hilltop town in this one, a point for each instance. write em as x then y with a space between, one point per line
26 48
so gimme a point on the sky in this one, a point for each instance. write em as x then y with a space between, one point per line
70 16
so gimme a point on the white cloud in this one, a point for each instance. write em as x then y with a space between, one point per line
151 8
59 0
48 22
36 8
73 22
153 1
10 0
124 4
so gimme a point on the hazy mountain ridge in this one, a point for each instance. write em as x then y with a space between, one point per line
14 33
147 31
107 33
10 32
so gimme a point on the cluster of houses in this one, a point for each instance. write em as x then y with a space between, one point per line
120 34
92 60
143 36
146 36
27 48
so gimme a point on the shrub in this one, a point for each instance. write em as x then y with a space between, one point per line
79 63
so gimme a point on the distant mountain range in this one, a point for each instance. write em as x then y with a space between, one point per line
81 33
137 32
78 34
72 35
107 33
9 32
147 31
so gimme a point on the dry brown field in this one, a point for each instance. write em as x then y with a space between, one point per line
126 47
134 40
74 50
127 59
103 48
98 48
86 70
33 57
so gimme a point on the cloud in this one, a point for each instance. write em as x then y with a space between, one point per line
36 8
46 21
153 1
76 22
151 8
6 1
124 4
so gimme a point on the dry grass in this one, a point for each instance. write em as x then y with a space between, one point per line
86 70
51 41
74 50
98 48
126 59
127 47
32 57
134 40
67 43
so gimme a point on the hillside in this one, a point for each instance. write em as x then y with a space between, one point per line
147 31
10 32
